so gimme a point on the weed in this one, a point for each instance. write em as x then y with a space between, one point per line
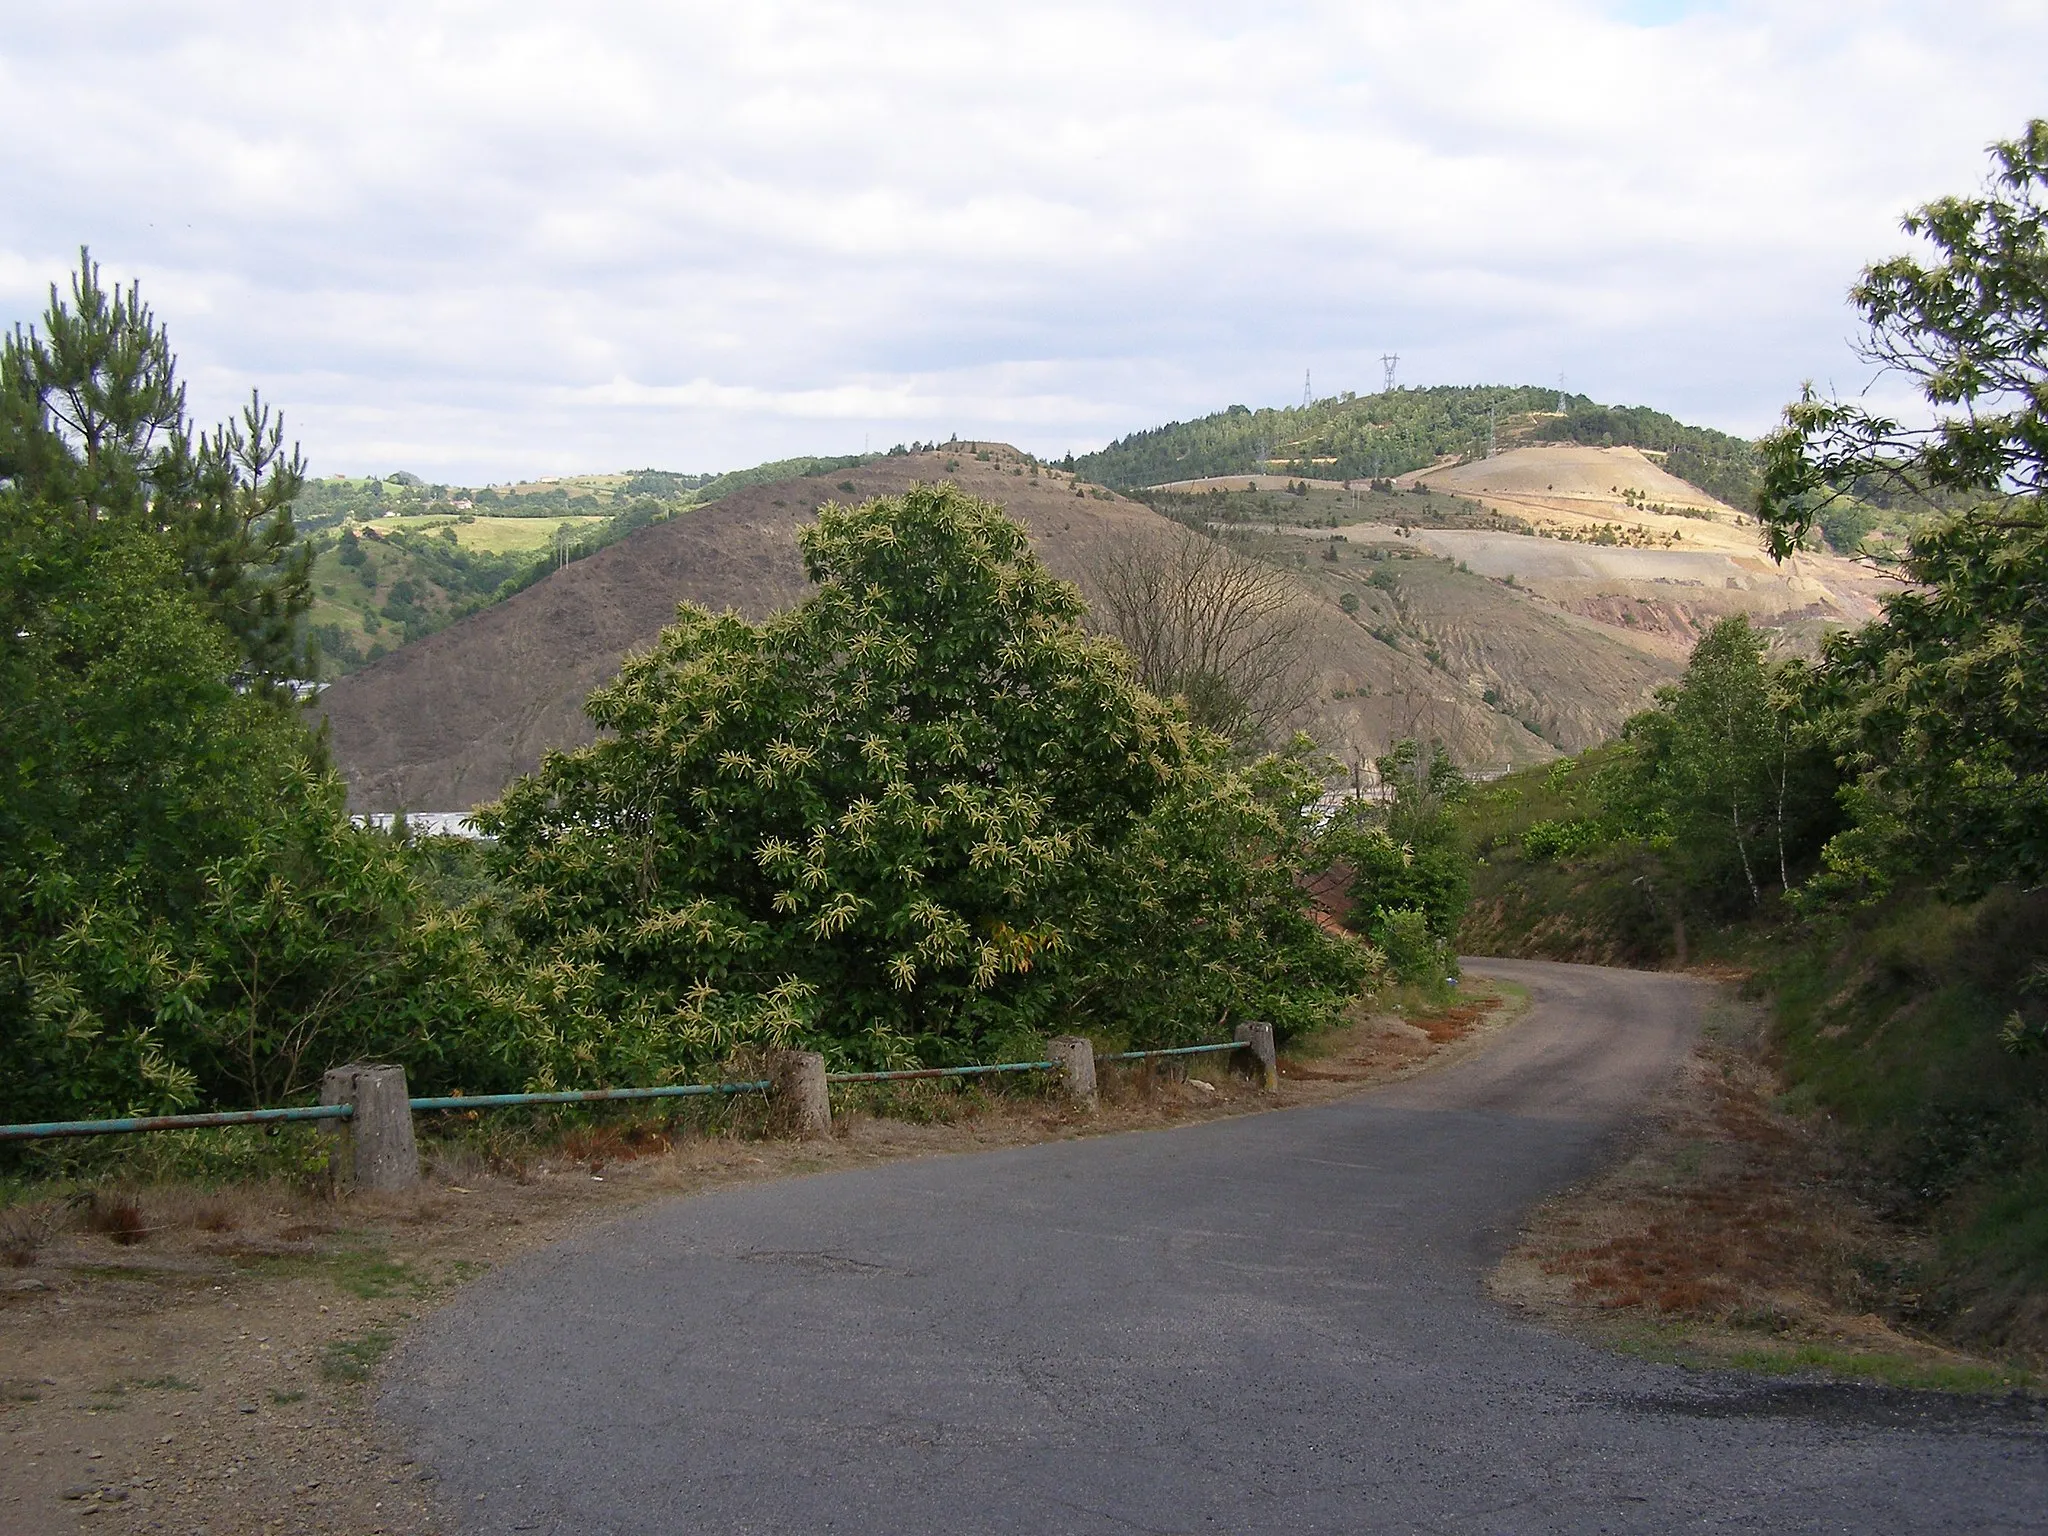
287 1397
350 1361
117 1216
599 1146
1448 1024
364 1273
232 1154
23 1231
371 1276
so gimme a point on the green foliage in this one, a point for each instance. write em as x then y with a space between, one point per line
1940 709
924 816
921 815
311 941
1379 436
93 431
1845 526
780 469
1416 954
1205 900
1563 839
1409 866
419 580
1888 1022
185 914
1729 778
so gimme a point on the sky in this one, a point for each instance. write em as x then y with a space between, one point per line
487 241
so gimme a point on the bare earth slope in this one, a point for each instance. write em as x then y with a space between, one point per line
1566 474
1503 672
1654 560
448 722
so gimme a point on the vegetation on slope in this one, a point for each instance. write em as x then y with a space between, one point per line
394 558
1380 436
1869 834
377 586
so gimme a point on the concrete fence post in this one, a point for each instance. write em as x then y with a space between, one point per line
799 1100
374 1147
1073 1056
1258 1036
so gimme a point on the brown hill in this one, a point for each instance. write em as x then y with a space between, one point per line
448 722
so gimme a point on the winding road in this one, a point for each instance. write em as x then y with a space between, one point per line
1270 1323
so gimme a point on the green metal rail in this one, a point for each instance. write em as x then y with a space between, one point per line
1176 1050
583 1095
48 1128
55 1128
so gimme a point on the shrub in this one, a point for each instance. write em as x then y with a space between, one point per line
1552 839
924 815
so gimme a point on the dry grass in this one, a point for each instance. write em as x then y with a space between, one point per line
1734 1234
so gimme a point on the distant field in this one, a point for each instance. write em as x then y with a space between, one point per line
492 535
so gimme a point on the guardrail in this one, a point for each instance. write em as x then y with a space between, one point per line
368 1111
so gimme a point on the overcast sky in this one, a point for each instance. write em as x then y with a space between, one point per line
486 241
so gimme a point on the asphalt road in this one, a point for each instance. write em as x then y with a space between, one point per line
1272 1323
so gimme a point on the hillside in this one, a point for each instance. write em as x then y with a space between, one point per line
448 721
1605 535
445 723
396 559
1386 435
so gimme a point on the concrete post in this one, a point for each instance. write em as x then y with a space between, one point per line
1074 1058
799 1102
374 1147
1258 1035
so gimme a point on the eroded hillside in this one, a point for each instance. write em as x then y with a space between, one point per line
1509 646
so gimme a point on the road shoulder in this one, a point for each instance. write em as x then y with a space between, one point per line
1726 1233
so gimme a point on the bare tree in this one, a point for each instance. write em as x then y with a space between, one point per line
1229 634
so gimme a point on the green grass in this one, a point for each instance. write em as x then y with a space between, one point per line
367 1275
1890 1027
350 1361
493 535
1681 1344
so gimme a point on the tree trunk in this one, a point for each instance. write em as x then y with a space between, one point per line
1756 895
1784 752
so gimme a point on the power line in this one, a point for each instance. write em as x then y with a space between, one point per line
1388 362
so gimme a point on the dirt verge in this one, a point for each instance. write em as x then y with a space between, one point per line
1732 1234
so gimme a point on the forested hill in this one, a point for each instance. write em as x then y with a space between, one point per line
1359 437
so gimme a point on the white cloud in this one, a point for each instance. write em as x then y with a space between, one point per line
486 240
